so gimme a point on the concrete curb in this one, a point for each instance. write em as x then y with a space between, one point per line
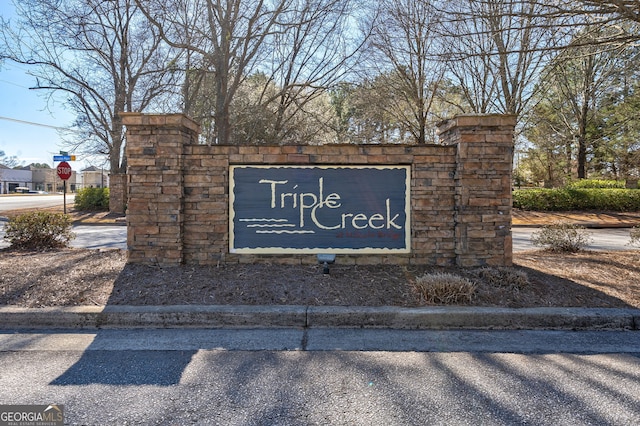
475 318
434 318
587 225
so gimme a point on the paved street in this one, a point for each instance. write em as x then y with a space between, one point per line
90 236
609 239
225 377
31 201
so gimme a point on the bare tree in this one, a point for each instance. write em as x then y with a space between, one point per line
621 17
226 36
100 55
8 161
312 51
404 46
496 50
604 10
302 47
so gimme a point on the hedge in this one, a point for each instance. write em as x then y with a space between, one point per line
92 199
566 199
597 183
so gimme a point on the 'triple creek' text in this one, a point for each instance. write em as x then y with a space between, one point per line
310 204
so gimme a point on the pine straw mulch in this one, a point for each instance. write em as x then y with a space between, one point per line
94 277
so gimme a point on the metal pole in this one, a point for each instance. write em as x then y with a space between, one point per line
64 197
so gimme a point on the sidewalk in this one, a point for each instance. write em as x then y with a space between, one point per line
586 219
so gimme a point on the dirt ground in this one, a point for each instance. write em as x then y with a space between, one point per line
93 277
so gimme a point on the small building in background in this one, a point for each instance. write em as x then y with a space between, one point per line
93 177
30 178
45 179
11 179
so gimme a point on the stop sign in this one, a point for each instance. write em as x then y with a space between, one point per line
64 170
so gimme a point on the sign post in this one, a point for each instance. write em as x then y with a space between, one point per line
64 173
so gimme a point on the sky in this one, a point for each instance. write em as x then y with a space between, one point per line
26 123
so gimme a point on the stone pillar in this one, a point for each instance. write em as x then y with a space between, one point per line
155 145
482 180
117 193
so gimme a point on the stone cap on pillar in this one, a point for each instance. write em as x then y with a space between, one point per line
477 120
160 120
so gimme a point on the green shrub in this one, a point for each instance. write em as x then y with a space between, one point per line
561 237
445 288
565 199
597 183
92 199
39 231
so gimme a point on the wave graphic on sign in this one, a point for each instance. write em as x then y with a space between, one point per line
286 225
263 220
273 223
285 232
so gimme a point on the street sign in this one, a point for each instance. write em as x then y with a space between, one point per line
64 170
64 158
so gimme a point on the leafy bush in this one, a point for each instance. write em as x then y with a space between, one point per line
445 288
92 199
39 231
635 236
597 183
565 199
561 237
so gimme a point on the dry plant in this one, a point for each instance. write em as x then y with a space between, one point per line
504 277
445 288
635 236
561 237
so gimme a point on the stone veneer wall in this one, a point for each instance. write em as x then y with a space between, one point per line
178 191
117 193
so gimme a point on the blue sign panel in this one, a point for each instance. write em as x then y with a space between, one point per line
312 209
61 158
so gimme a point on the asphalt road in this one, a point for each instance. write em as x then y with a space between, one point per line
201 377
30 201
609 239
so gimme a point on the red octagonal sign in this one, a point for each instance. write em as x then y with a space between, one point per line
64 170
